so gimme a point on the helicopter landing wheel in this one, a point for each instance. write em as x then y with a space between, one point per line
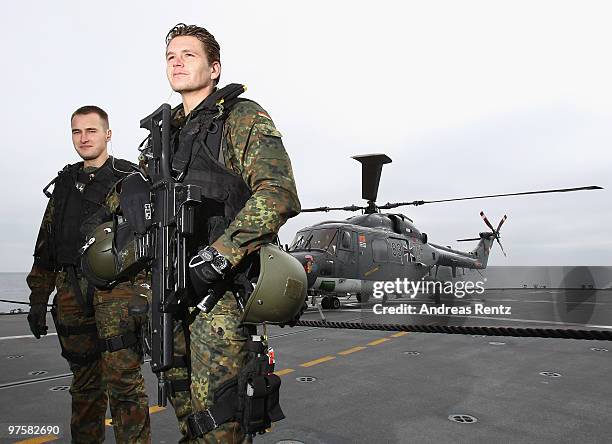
335 302
358 297
326 302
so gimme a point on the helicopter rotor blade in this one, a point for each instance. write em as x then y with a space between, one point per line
500 245
388 206
501 222
486 221
466 240
326 209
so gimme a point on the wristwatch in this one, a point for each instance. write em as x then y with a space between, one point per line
220 264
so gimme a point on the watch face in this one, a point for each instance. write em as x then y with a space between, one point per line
220 262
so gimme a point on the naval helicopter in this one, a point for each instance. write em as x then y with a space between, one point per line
348 257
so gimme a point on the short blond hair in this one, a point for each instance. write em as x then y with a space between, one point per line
91 109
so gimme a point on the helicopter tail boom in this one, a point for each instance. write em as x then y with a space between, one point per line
482 250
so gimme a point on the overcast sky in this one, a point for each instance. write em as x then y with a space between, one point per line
470 97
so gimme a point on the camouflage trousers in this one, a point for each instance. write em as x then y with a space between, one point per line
218 353
216 346
102 378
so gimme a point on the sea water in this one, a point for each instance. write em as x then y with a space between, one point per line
13 287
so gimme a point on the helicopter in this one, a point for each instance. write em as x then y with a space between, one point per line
348 257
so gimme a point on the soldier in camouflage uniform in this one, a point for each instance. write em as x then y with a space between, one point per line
95 331
251 149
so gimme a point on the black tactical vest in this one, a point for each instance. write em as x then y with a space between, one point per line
79 197
197 147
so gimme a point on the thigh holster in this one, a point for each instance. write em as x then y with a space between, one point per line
251 398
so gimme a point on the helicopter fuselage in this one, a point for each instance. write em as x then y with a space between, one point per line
348 257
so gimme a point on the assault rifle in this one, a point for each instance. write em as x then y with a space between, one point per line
172 221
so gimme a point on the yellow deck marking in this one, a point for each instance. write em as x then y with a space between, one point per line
284 371
152 409
351 350
378 341
400 334
369 272
317 361
39 439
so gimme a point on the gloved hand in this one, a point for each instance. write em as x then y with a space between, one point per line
37 318
207 270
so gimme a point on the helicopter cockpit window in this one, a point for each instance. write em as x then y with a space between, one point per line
299 242
324 239
380 252
346 240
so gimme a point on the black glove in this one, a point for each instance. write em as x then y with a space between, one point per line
37 318
207 270
135 202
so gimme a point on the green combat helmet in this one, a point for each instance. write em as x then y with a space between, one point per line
110 255
280 295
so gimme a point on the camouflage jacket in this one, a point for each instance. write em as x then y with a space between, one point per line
255 151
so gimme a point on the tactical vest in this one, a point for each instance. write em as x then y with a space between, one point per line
198 160
79 199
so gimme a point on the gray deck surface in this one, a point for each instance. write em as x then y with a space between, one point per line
383 392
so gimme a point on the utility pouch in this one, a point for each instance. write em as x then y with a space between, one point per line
258 389
261 407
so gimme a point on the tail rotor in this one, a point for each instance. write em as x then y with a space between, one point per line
495 231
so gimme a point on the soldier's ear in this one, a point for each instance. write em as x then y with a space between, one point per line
109 134
215 70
